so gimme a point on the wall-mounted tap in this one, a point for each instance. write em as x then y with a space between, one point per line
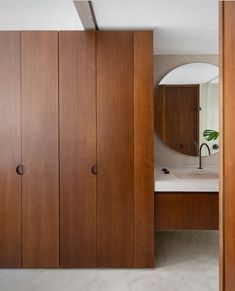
200 154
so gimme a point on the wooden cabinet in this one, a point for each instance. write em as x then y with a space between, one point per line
83 131
40 182
115 148
106 220
125 149
186 210
143 149
78 217
10 140
29 214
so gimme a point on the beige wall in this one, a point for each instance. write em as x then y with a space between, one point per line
165 156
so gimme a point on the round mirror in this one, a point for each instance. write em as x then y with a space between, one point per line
186 109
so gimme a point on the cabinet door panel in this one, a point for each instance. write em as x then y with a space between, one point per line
10 182
77 149
144 157
115 149
40 183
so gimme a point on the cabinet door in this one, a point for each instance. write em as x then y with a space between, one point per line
77 149
143 149
115 149
40 182
10 141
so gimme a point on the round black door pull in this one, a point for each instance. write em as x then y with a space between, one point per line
20 169
94 170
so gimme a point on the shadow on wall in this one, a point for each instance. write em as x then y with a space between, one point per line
165 156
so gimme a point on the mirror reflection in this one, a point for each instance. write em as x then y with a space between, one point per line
186 109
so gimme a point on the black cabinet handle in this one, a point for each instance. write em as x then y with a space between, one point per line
20 169
94 170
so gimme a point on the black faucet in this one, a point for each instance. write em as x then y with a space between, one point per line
200 154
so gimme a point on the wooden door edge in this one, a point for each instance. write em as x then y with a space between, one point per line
221 152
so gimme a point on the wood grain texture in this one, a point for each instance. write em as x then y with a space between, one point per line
177 114
228 153
115 149
77 149
10 140
186 211
40 186
221 151
143 149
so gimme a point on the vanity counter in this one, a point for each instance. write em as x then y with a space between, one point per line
187 179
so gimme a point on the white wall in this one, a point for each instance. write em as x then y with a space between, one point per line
209 113
165 156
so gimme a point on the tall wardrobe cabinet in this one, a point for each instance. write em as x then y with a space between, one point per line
76 134
29 175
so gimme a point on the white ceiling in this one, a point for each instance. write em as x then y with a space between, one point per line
194 73
39 15
180 26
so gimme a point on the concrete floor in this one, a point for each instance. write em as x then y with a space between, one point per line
186 261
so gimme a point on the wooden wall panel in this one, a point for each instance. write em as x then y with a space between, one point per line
115 149
143 149
221 158
77 149
10 140
227 215
40 186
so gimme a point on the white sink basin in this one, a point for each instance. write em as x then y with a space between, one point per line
197 174
187 179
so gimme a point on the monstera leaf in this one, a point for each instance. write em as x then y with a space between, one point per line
210 134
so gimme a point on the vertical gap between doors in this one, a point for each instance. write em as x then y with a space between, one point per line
96 120
21 150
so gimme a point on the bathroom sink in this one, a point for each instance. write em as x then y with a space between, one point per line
187 179
197 174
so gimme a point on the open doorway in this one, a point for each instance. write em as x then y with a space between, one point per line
187 147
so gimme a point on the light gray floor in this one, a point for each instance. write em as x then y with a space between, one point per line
186 261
